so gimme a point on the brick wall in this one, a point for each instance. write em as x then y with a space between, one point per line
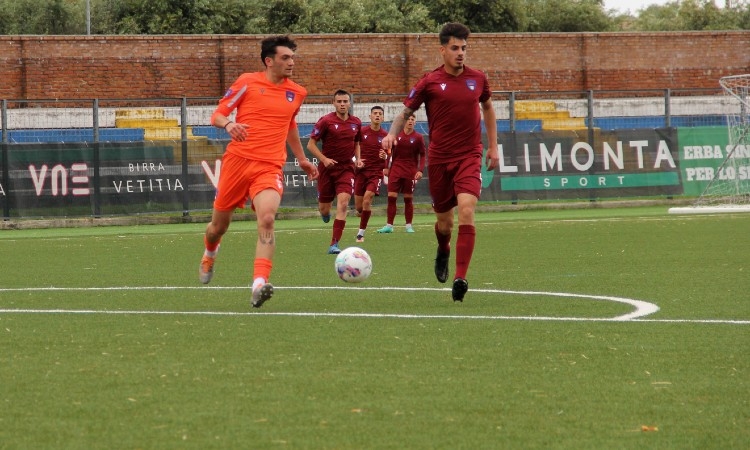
72 67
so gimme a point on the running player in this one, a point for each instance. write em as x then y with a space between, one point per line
368 178
405 167
453 95
266 104
341 134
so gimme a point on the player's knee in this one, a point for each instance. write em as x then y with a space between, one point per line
217 229
266 220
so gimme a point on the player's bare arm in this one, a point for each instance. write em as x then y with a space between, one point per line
397 127
490 123
294 142
312 147
237 131
358 161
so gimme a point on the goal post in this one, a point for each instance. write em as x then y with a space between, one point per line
728 191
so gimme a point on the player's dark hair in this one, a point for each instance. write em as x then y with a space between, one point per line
453 30
342 92
377 107
269 44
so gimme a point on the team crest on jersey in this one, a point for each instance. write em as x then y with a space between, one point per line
380 140
354 127
289 96
412 93
411 141
471 84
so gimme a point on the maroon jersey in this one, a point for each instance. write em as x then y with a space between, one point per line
338 136
370 148
407 157
453 115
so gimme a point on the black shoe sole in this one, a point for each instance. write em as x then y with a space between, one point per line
266 292
460 287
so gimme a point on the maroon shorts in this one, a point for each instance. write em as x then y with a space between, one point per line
366 180
450 179
335 180
401 185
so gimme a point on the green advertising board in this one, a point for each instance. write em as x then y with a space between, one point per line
702 150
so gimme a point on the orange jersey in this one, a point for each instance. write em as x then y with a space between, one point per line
268 109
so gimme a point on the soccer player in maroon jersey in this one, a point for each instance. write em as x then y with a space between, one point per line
369 177
405 167
455 98
341 134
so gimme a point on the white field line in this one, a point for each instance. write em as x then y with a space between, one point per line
642 308
366 316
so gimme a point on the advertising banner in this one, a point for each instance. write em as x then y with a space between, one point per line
586 164
702 151
100 179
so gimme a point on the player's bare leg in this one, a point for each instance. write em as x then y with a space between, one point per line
266 204
325 211
215 229
359 201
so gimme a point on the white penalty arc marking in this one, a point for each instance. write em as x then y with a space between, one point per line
642 308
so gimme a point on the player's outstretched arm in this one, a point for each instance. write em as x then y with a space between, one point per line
396 127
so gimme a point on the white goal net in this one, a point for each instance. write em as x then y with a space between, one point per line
729 188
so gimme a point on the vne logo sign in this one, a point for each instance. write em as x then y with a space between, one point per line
78 174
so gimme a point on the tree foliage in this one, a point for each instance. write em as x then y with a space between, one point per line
569 16
479 15
39 17
357 16
692 15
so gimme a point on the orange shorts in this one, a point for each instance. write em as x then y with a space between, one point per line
241 179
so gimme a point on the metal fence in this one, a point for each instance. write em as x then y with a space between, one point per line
95 120
100 157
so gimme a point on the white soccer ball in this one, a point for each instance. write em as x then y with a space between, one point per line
353 265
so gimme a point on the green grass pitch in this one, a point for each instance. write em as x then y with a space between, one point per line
582 329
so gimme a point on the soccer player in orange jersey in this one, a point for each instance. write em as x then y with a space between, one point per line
252 167
456 97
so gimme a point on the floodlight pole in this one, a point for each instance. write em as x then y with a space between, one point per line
88 17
